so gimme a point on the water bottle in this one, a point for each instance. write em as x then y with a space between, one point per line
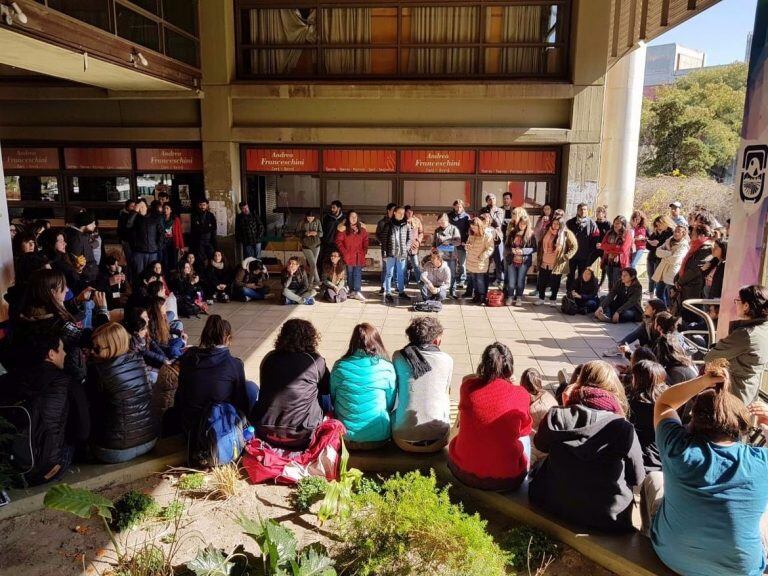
249 433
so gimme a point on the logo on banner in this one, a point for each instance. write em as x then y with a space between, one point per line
753 170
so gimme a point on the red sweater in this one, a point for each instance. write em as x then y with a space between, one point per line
492 419
611 248
353 247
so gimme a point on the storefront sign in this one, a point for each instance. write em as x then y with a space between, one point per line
169 159
518 161
356 160
30 159
97 158
281 160
437 161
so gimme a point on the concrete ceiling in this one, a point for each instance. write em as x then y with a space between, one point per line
28 53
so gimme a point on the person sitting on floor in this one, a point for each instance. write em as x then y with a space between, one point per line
705 513
435 277
250 281
136 322
294 379
421 421
624 302
296 288
644 335
209 374
123 424
168 335
671 351
584 292
217 278
541 401
363 390
648 382
112 281
492 448
334 278
593 458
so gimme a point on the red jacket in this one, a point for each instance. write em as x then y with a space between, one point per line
176 237
353 247
492 419
611 249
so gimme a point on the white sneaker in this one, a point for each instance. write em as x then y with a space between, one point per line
562 376
359 296
552 303
539 302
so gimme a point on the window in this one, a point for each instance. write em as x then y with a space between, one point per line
182 14
32 188
530 194
137 28
99 188
359 193
508 39
296 191
436 193
93 12
180 47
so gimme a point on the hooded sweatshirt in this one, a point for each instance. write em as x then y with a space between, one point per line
594 461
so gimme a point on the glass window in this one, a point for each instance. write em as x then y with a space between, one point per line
149 185
137 28
359 193
181 13
148 5
436 193
531 195
32 188
99 188
180 47
297 191
93 12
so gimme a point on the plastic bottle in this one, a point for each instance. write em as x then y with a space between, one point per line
249 433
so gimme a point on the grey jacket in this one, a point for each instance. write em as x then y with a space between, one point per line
304 227
446 240
433 276
746 348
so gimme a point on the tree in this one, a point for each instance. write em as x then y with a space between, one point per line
693 126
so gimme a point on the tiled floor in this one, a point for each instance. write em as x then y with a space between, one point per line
539 336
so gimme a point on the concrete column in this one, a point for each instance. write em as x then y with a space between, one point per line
621 132
6 251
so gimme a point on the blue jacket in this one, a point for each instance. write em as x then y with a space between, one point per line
363 393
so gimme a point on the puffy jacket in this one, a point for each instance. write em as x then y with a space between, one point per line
147 232
121 402
209 376
363 394
671 256
397 238
479 250
248 229
353 247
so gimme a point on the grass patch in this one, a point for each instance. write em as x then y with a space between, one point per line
173 511
133 508
528 548
192 482
225 481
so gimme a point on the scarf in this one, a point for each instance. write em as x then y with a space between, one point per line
695 245
595 398
415 359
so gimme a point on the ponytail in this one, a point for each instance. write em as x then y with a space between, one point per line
717 414
756 298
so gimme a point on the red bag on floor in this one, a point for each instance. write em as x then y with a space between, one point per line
264 462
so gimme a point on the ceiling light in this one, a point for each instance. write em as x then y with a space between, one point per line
137 58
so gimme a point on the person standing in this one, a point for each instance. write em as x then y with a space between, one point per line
676 213
586 231
508 214
398 236
352 241
640 235
123 233
174 238
249 231
663 228
604 226
480 246
310 233
447 240
381 235
616 247
417 230
690 278
519 250
330 222
497 222
147 238
78 237
461 219
557 247
203 231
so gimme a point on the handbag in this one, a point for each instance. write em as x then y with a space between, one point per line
569 306
494 299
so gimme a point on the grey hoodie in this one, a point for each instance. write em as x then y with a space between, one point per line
594 461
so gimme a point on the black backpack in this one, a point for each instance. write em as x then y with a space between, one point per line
187 307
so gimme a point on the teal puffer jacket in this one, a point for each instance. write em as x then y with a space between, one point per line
363 393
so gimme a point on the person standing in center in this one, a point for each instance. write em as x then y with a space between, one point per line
203 231
418 235
352 241
447 240
381 228
617 246
480 246
147 237
310 233
585 230
397 235
557 247
461 219
497 224
519 250
249 231
331 220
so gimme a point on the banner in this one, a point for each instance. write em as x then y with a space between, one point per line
747 241
30 159
169 159
97 158
518 162
359 160
437 161
281 160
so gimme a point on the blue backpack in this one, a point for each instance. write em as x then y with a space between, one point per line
219 437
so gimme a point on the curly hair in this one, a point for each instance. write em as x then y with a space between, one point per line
297 335
423 330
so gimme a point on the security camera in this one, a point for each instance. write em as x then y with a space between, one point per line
138 58
19 14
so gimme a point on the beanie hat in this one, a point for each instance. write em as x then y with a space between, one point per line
84 218
595 398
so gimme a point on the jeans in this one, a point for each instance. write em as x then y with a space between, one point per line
630 315
112 456
355 278
589 304
638 334
336 295
140 260
395 266
298 298
461 264
548 280
252 250
170 257
661 292
243 293
311 254
516 277
614 274
480 284
427 295
637 257
452 268
384 273
577 267
651 265
413 263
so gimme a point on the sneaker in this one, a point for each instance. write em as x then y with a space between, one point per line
288 301
381 290
563 376
601 316
389 298
404 296
358 296
209 302
309 301
552 303
613 353
515 302
539 302
509 301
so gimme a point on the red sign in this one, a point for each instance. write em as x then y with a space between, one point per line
169 159
356 160
518 161
97 158
438 161
30 158
281 160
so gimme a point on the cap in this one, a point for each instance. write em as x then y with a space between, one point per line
675 204
84 218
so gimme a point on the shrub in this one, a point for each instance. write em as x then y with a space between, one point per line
173 511
147 561
412 528
192 482
308 491
528 547
132 508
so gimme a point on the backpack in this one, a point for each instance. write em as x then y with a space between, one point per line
569 306
218 439
428 306
187 307
28 450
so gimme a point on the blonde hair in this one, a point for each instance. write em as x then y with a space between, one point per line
600 374
110 341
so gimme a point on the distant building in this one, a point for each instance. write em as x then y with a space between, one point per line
666 63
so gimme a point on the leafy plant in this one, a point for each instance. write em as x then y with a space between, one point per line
149 560
412 528
133 508
308 490
211 562
338 494
173 511
192 482
527 546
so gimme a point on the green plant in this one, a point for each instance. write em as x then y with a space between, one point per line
133 508
149 560
225 481
192 482
308 490
338 494
279 551
172 511
211 562
528 547
412 528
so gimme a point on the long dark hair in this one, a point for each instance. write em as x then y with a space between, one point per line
496 362
297 335
158 323
348 226
328 266
718 415
669 348
613 235
756 298
648 381
39 294
216 332
366 338
531 381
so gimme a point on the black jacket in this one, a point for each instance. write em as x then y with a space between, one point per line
329 224
594 459
203 228
79 244
641 416
209 376
147 232
248 229
587 234
121 402
288 410
661 237
122 226
396 238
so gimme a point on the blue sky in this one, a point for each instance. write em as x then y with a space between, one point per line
720 31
